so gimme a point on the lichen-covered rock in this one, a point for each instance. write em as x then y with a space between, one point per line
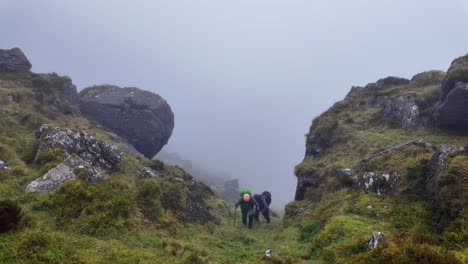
70 169
404 110
146 172
143 118
88 148
378 182
14 60
452 107
377 238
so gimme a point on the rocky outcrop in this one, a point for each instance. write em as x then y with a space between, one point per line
357 91
382 183
453 111
304 182
71 169
146 172
404 110
88 148
143 118
452 107
436 168
377 238
86 157
13 60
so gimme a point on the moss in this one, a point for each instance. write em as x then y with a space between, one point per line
149 199
39 247
95 90
309 230
173 197
459 70
92 208
453 186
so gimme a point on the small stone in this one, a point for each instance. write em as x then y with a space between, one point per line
146 172
369 206
377 238
2 165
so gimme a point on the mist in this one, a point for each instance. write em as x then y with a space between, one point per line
244 78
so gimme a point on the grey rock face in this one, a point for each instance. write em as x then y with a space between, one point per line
88 148
377 238
143 118
453 111
378 182
14 60
146 172
304 183
68 170
404 110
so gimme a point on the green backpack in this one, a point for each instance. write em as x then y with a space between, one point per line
244 191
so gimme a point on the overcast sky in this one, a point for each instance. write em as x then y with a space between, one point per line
246 77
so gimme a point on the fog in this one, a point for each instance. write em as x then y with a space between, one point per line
244 78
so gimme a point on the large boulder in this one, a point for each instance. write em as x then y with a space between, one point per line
71 169
13 60
403 110
93 151
452 107
143 118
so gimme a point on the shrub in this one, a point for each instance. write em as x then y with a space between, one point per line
453 186
50 158
92 208
39 247
149 199
10 215
173 197
309 230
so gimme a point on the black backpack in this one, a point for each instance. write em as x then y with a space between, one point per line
267 195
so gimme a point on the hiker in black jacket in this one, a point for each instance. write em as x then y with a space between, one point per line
248 208
264 201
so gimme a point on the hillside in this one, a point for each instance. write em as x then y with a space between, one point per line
390 157
74 188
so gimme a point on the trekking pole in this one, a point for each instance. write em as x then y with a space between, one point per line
235 211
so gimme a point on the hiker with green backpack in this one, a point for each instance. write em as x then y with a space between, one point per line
248 206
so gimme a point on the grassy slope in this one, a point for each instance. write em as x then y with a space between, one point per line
46 236
354 132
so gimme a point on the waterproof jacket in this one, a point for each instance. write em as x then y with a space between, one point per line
250 204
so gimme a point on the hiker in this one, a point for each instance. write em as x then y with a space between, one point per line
248 206
264 201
